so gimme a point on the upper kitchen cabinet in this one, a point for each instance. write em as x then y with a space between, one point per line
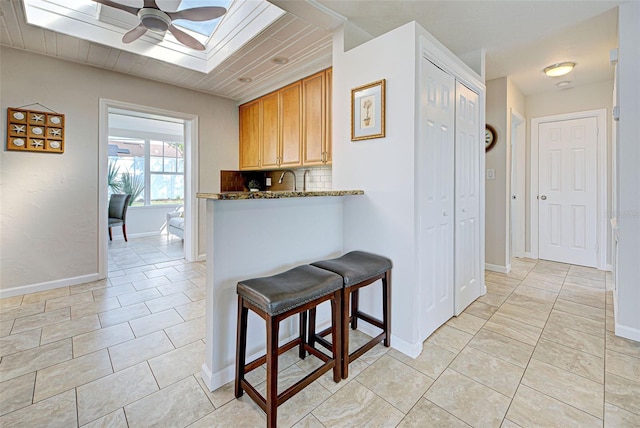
269 107
250 139
314 119
288 128
290 100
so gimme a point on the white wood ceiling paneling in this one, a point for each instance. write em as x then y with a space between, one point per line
307 47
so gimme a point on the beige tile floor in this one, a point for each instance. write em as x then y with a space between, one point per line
537 350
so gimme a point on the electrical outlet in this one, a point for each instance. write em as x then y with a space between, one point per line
268 181
491 174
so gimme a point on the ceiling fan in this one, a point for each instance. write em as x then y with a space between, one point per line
154 19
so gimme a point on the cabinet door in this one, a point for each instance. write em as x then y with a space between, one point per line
269 108
249 117
313 119
290 125
328 111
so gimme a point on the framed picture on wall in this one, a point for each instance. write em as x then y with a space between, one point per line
367 111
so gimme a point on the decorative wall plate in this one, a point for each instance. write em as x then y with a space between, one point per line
35 131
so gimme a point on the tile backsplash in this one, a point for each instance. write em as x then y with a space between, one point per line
318 178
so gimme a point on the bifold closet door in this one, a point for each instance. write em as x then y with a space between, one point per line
435 197
467 198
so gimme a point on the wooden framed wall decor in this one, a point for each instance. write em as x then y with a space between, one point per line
35 131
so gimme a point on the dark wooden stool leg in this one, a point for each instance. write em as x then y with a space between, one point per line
386 307
336 332
110 235
241 346
302 353
312 327
272 371
354 309
124 232
344 324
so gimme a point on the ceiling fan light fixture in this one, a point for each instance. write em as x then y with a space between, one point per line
280 60
560 69
154 19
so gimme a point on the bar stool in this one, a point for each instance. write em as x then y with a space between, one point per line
276 298
358 269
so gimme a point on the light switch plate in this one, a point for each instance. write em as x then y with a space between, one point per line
491 174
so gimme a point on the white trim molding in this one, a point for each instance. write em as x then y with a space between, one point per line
191 176
49 285
497 268
602 222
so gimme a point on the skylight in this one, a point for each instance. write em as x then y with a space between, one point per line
205 28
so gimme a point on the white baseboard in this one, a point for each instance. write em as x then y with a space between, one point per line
222 377
530 255
49 285
497 268
627 332
137 235
410 349
201 257
608 267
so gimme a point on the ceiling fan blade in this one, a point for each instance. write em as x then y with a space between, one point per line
186 39
131 10
198 13
151 4
134 34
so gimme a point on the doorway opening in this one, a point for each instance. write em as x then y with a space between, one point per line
150 154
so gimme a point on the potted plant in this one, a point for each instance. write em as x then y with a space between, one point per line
254 185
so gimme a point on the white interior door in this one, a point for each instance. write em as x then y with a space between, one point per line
567 191
467 203
435 203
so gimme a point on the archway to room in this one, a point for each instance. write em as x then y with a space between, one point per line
149 153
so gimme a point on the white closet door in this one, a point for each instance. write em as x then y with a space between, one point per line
467 202
434 196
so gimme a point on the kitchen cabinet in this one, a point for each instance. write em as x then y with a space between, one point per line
314 119
269 126
249 117
290 103
290 127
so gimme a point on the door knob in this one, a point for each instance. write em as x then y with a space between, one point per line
543 197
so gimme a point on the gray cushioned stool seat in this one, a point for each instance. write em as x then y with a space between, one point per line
358 269
356 266
279 293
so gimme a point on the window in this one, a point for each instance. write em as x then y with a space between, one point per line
146 163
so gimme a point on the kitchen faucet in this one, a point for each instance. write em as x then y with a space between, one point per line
294 178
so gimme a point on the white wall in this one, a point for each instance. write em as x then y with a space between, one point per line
496 159
628 168
382 221
49 203
503 96
582 98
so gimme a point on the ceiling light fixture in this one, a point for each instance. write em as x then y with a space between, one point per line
559 69
280 60
245 80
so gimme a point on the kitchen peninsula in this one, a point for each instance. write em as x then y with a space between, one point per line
255 234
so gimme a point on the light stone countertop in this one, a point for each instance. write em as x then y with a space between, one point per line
233 196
